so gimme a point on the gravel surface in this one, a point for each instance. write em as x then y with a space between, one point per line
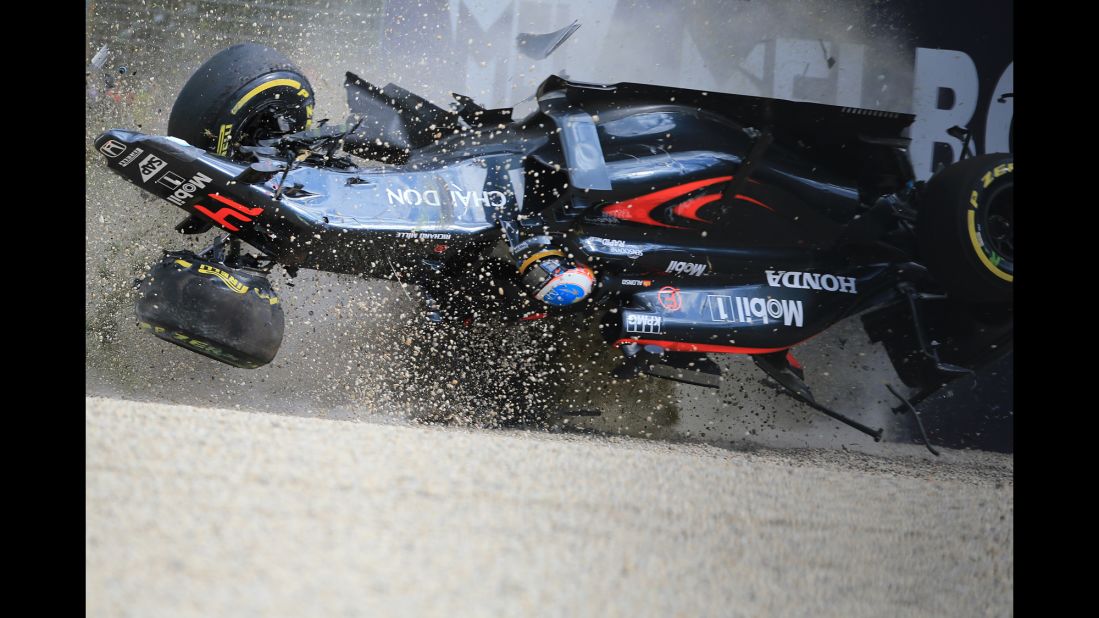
200 512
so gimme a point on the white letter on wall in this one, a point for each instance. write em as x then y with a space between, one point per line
998 124
937 69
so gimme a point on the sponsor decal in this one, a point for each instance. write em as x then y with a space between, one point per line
183 189
235 210
195 343
602 219
424 235
644 324
617 247
224 133
609 242
439 249
687 268
270 298
209 348
170 180
147 326
112 149
431 197
810 281
755 310
669 298
640 283
994 262
230 281
523 245
130 157
149 166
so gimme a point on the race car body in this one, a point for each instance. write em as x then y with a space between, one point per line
687 222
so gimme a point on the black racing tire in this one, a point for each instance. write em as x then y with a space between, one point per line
227 314
237 97
965 228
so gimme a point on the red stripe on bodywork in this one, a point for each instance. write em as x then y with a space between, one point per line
241 207
793 361
754 201
689 209
683 346
220 217
639 209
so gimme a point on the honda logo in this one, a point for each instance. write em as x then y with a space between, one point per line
112 148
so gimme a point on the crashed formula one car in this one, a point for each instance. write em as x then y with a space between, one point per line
687 222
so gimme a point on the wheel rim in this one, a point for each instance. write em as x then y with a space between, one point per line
263 123
998 222
259 106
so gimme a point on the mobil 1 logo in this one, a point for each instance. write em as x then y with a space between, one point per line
755 310
183 189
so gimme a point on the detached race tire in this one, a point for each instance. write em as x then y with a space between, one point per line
243 94
230 315
965 228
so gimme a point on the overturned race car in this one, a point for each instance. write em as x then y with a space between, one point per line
686 222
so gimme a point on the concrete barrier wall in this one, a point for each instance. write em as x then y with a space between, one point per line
946 62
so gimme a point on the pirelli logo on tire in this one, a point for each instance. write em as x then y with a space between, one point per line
230 281
988 256
225 133
186 340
